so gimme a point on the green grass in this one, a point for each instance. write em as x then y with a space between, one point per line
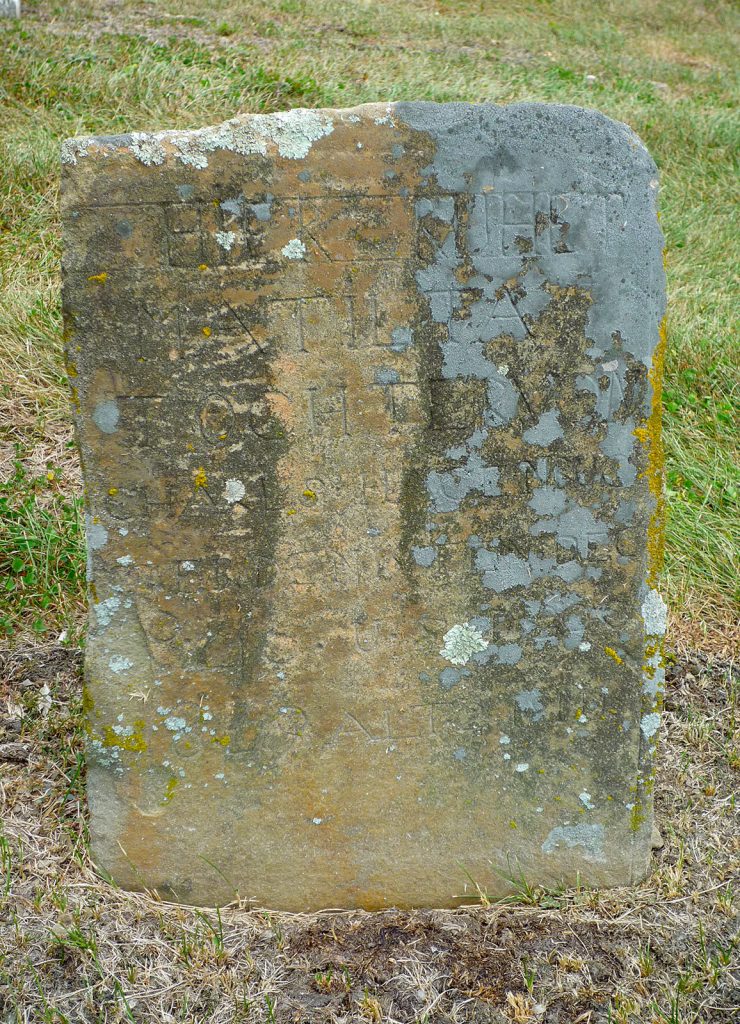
41 552
664 66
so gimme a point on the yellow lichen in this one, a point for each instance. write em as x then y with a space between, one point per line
613 654
203 266
637 816
113 491
134 742
170 789
206 331
98 278
311 495
222 740
200 479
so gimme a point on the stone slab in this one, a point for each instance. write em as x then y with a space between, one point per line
369 409
10 8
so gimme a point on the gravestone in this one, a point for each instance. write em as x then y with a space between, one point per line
368 403
10 8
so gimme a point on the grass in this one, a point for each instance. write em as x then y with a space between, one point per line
41 549
72 948
667 68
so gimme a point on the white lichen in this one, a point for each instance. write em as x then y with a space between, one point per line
97 535
125 560
387 117
294 249
649 724
654 614
175 724
462 642
226 239
105 610
189 151
523 767
147 149
589 837
73 150
585 799
119 664
293 132
234 490
187 566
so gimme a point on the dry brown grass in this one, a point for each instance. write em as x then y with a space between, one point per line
75 949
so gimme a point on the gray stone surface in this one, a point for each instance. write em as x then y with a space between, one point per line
368 404
10 8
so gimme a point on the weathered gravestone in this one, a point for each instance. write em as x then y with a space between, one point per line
10 8
368 405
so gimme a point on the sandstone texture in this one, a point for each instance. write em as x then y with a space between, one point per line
369 409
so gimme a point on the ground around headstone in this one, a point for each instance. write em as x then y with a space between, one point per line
75 947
